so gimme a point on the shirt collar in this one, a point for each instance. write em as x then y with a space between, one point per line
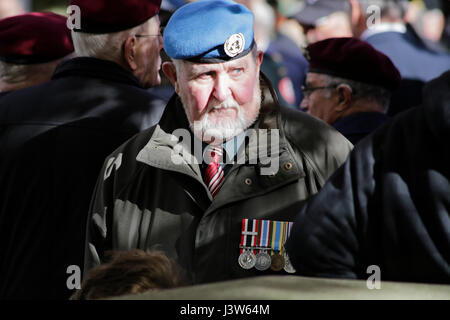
383 27
230 147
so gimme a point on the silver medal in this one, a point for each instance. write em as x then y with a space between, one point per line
247 259
288 265
263 261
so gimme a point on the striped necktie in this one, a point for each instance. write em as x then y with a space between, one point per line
214 174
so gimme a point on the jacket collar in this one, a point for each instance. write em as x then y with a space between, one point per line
165 151
96 68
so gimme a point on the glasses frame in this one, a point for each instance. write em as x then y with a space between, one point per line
309 90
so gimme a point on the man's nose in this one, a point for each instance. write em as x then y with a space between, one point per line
221 87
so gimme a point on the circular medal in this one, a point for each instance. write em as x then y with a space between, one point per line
247 259
288 265
277 262
263 261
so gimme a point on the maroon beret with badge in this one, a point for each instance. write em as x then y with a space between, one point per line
352 59
35 37
105 16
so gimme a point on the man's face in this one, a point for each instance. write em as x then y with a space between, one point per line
148 59
320 103
220 99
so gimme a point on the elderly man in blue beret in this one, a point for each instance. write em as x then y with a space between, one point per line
216 183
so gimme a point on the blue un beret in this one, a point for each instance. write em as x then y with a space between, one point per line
209 31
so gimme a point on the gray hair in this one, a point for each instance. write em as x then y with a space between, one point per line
107 46
16 73
362 91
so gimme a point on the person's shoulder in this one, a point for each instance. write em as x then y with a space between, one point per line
23 102
121 165
136 143
308 132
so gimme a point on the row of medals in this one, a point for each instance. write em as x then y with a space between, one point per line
263 261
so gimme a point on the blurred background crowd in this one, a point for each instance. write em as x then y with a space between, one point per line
283 27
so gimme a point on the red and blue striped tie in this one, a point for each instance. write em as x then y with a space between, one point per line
214 175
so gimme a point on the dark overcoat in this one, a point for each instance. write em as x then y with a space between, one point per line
54 138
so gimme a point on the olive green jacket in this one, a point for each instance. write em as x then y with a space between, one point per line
150 194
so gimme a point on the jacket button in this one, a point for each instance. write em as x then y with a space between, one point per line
248 181
288 166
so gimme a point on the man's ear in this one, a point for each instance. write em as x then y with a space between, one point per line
344 96
171 73
129 52
259 58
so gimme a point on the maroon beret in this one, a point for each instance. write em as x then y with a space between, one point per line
352 59
35 37
105 16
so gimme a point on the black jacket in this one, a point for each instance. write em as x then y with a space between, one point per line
53 140
358 125
388 205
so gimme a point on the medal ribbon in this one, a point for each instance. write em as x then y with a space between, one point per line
254 236
276 235
248 234
264 233
283 238
243 235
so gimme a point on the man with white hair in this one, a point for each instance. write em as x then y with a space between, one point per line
224 156
55 136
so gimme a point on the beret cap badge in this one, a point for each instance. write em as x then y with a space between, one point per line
234 44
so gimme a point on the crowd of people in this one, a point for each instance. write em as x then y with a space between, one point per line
156 144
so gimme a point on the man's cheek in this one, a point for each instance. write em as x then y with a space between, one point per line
200 101
244 94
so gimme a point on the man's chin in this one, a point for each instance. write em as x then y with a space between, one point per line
228 114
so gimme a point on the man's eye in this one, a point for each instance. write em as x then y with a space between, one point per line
238 71
205 75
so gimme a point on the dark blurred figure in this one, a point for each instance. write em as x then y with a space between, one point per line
291 55
165 90
348 85
388 205
389 34
445 38
55 136
273 65
323 19
129 272
32 45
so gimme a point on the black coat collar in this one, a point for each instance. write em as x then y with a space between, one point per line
96 68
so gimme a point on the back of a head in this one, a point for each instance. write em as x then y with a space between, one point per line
105 24
31 46
129 272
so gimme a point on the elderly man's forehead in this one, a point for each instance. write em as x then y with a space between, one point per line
195 66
